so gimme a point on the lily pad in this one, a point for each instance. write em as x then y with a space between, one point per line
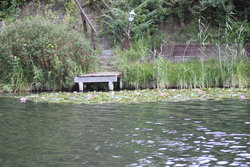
139 96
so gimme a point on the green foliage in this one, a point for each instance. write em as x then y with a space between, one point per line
194 74
232 31
150 14
71 9
8 8
40 55
153 13
115 27
138 51
6 88
235 31
155 10
145 69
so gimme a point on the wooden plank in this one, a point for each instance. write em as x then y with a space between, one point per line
187 53
95 79
93 38
99 74
85 27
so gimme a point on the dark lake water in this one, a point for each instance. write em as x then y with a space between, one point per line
193 133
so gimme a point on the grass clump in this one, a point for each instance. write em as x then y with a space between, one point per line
36 54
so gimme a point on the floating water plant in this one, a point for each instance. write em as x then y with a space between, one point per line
140 96
22 100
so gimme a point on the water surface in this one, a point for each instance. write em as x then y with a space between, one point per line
193 133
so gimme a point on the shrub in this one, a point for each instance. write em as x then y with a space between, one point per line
36 54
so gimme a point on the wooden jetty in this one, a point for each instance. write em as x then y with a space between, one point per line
109 77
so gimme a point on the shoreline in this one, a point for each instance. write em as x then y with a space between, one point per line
139 96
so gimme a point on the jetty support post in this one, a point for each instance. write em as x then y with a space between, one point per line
111 86
80 86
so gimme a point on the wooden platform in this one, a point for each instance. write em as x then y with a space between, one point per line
109 77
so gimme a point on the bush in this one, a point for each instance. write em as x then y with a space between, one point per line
36 54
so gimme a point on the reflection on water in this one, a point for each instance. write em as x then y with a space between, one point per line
195 133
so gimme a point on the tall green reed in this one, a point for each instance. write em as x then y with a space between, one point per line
217 71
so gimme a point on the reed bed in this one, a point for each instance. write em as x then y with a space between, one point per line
228 68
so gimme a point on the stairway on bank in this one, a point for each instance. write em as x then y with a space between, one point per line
106 57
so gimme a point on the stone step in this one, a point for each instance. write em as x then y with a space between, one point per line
109 63
106 45
108 68
106 59
104 42
108 52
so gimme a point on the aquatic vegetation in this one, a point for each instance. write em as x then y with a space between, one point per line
72 98
242 97
200 92
140 96
22 100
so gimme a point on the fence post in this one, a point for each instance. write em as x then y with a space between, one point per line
93 38
85 27
85 21
127 37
